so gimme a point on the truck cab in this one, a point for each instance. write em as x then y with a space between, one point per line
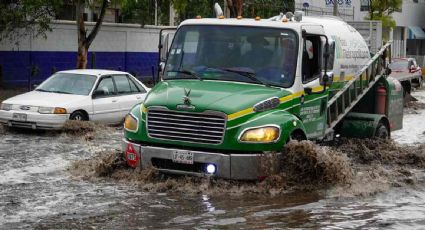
234 90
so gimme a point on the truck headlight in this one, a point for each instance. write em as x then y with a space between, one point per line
265 134
4 106
131 123
51 110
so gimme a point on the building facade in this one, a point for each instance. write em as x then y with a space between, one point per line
126 47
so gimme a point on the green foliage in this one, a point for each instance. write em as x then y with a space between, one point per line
26 17
143 11
381 10
267 8
191 8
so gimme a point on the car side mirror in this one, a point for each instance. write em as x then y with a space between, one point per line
326 78
98 93
412 69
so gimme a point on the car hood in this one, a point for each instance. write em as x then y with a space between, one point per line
227 97
36 98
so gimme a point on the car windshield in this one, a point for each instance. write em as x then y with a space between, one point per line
68 83
233 53
399 65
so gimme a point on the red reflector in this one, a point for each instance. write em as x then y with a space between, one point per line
131 156
261 178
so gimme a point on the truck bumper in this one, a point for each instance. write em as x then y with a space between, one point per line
230 166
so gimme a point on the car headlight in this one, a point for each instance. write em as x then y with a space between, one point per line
51 110
131 123
265 134
4 106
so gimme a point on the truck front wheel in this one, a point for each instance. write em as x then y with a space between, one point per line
297 135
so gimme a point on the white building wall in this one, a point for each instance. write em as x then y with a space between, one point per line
111 38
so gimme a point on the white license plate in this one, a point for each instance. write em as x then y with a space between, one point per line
19 117
184 157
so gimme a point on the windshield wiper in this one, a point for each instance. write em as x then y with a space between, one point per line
52 91
42 90
57 91
188 72
246 73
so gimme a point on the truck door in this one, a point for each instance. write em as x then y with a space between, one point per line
314 99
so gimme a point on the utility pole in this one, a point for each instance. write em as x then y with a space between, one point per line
335 13
156 12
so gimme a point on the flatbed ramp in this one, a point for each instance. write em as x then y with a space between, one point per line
355 89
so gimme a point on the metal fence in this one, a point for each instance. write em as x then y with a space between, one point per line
346 13
398 48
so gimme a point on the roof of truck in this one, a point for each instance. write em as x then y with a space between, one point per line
306 20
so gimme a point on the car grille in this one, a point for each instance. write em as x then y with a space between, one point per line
205 128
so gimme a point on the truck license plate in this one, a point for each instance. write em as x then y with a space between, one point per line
19 117
183 157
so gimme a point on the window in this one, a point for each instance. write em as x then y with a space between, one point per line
122 83
106 87
364 5
311 66
78 84
229 53
135 87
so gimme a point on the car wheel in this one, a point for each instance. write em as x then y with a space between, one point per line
382 131
78 116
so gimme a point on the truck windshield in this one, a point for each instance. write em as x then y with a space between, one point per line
227 53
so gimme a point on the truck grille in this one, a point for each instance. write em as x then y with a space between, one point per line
205 128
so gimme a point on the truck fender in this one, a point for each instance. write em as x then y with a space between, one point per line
287 122
362 125
293 128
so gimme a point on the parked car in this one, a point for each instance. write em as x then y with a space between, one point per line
405 68
97 95
407 72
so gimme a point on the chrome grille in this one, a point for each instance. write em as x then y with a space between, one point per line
206 128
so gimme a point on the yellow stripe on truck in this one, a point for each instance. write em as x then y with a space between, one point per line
251 110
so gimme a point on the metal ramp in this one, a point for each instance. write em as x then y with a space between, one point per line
355 89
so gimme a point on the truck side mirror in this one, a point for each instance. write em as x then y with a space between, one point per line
161 66
165 44
326 78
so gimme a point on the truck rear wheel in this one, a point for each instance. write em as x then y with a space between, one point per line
382 131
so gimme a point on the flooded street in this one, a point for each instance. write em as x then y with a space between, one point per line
39 192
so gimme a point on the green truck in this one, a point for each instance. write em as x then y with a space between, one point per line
233 90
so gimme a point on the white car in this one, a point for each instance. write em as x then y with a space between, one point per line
97 95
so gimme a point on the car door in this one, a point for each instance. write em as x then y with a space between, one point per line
129 93
106 107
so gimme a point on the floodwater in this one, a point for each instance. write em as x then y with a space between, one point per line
38 191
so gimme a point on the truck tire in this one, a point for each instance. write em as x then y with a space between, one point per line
382 131
78 116
297 136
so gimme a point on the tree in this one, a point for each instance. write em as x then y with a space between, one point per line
84 40
27 17
381 10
